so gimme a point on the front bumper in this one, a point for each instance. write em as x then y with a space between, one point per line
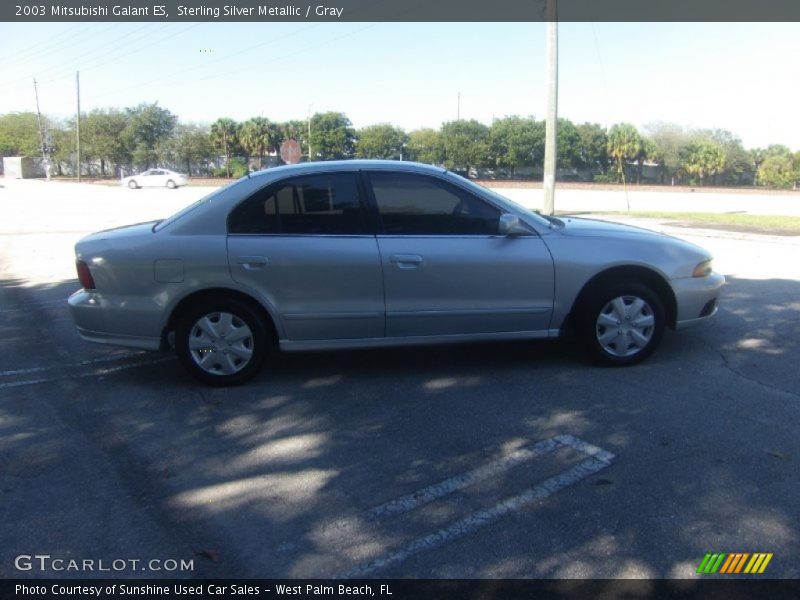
697 298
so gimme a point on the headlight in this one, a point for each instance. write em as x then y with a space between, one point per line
703 269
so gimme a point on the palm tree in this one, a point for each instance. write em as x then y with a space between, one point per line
624 144
647 153
703 159
757 156
223 136
258 136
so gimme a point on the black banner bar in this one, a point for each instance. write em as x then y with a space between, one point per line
397 10
401 589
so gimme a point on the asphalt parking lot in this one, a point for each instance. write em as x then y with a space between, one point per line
488 460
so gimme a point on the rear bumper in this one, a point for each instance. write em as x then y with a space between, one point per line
118 321
697 299
120 340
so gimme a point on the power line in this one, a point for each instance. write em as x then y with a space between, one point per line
206 64
75 59
22 62
291 54
106 59
54 41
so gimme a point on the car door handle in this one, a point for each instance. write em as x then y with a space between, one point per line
406 261
252 262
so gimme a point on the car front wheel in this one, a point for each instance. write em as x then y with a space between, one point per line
171 184
623 324
222 342
132 185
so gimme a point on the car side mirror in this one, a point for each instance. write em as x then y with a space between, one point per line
510 225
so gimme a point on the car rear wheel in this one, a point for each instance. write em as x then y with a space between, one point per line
132 185
171 184
222 342
623 324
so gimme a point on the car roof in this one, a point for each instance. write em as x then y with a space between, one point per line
349 165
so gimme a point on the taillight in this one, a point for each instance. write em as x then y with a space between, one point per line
84 275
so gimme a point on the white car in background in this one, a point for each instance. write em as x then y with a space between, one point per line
156 178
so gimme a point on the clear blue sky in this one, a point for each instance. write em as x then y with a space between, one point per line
738 76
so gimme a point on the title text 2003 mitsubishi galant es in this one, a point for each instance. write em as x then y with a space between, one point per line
360 254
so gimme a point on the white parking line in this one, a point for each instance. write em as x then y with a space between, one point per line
92 373
33 305
598 460
78 364
448 486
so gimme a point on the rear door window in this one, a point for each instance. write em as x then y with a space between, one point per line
323 204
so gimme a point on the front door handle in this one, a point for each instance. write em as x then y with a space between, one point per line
252 262
406 261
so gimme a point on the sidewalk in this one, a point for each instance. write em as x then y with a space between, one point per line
663 225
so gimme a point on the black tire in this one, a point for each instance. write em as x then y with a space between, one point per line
171 184
222 356
133 185
615 339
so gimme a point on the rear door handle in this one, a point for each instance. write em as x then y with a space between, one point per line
252 262
406 261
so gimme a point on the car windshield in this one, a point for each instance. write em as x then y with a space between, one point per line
185 211
541 219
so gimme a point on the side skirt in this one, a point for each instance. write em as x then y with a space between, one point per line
351 344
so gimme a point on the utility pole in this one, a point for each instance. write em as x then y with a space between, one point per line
45 162
309 132
550 146
78 123
458 107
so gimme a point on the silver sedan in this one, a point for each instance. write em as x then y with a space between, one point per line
155 178
362 254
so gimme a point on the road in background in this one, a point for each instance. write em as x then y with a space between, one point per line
630 198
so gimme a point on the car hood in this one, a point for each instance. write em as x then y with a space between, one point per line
596 228
608 230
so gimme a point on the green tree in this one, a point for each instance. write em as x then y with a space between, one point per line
425 146
223 137
19 135
648 152
380 141
624 144
568 153
777 150
756 156
669 140
516 142
258 136
796 169
332 136
778 170
191 145
593 147
737 160
103 137
702 159
293 130
62 147
148 124
466 144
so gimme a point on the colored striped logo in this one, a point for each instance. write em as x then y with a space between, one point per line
736 562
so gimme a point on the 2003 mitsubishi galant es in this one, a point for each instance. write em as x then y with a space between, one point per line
359 254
